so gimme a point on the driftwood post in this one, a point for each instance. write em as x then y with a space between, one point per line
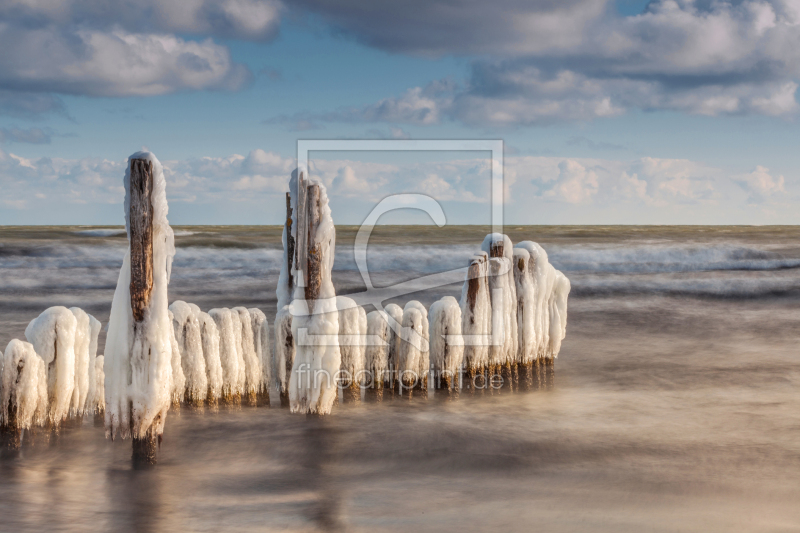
475 377
286 330
140 220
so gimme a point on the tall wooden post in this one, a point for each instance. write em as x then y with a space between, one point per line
140 221
289 244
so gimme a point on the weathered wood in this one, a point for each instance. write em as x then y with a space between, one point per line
473 287
496 249
301 245
140 220
289 243
145 450
313 272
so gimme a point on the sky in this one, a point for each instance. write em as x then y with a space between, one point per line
611 112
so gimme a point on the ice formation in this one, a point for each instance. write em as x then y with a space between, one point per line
352 332
476 314
526 301
260 328
86 334
178 387
376 354
190 344
99 400
503 295
23 386
230 352
52 335
252 363
446 343
412 366
284 349
315 321
209 335
395 316
138 354
545 313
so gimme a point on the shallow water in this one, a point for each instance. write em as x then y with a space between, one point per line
675 405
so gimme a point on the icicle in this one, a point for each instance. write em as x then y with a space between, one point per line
315 322
395 315
99 402
446 343
284 352
230 346
139 346
352 329
476 315
376 353
209 335
260 328
23 387
52 335
190 344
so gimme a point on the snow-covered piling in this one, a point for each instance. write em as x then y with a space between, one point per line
52 335
543 309
230 353
352 334
252 364
376 354
395 317
315 321
189 337
446 343
209 336
260 327
414 353
139 345
476 316
503 296
23 389
98 405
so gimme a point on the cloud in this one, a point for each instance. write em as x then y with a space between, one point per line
545 61
19 135
761 185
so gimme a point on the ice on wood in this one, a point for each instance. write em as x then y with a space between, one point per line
230 352
86 334
99 400
476 313
178 387
526 301
284 349
395 315
139 354
190 344
446 342
412 358
209 335
546 312
252 364
52 335
503 294
352 332
260 328
23 386
315 322
376 354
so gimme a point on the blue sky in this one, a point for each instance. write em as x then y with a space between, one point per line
673 111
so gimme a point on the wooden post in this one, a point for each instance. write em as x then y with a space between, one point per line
289 244
140 221
11 433
313 272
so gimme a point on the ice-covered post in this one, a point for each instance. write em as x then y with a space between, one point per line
138 356
284 340
315 321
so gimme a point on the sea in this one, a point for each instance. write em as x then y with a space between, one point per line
675 403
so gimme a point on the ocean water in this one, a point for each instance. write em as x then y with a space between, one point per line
675 405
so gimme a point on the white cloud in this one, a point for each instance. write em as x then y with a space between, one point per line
761 185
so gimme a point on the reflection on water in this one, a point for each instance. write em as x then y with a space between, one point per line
672 410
